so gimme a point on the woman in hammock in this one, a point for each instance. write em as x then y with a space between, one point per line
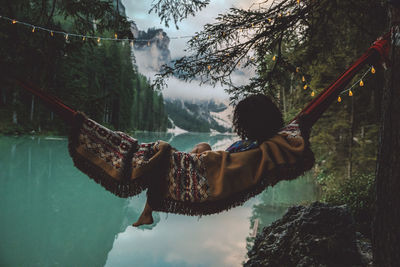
204 182
255 120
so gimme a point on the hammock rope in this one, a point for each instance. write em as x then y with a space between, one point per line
377 53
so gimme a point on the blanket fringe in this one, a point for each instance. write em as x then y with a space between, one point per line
282 172
122 188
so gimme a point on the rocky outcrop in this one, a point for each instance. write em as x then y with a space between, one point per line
151 47
317 235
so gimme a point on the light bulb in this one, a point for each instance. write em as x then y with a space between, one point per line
373 70
339 99
361 83
350 93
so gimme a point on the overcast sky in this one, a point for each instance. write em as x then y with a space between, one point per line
137 10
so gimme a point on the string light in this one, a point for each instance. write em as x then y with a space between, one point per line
297 69
209 67
312 93
339 99
84 37
373 70
274 58
98 39
305 87
360 82
303 79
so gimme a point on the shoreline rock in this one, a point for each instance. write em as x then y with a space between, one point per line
316 235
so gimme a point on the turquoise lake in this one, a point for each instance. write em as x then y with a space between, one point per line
53 215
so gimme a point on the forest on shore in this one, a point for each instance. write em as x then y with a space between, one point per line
296 47
97 78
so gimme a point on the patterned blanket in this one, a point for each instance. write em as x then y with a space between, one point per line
180 182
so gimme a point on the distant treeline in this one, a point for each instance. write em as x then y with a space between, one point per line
96 78
194 117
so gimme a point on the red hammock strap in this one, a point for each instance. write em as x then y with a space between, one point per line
376 53
53 102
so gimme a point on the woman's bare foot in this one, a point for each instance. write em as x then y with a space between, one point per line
146 217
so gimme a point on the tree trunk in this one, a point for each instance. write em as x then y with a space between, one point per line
386 228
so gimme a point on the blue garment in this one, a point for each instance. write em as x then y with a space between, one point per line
242 145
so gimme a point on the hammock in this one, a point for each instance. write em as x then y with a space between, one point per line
197 184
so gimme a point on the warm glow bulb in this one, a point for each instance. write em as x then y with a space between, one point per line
361 83
297 69
83 38
33 29
339 99
303 79
373 70
274 58
312 93
14 21
98 39
350 93
209 67
305 87
51 33
115 36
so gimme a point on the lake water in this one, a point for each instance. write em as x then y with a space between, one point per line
53 215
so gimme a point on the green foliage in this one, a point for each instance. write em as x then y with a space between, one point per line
357 193
98 79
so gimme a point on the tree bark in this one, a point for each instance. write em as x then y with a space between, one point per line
386 228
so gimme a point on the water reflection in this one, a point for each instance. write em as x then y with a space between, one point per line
54 215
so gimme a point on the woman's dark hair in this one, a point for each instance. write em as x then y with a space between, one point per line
257 118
